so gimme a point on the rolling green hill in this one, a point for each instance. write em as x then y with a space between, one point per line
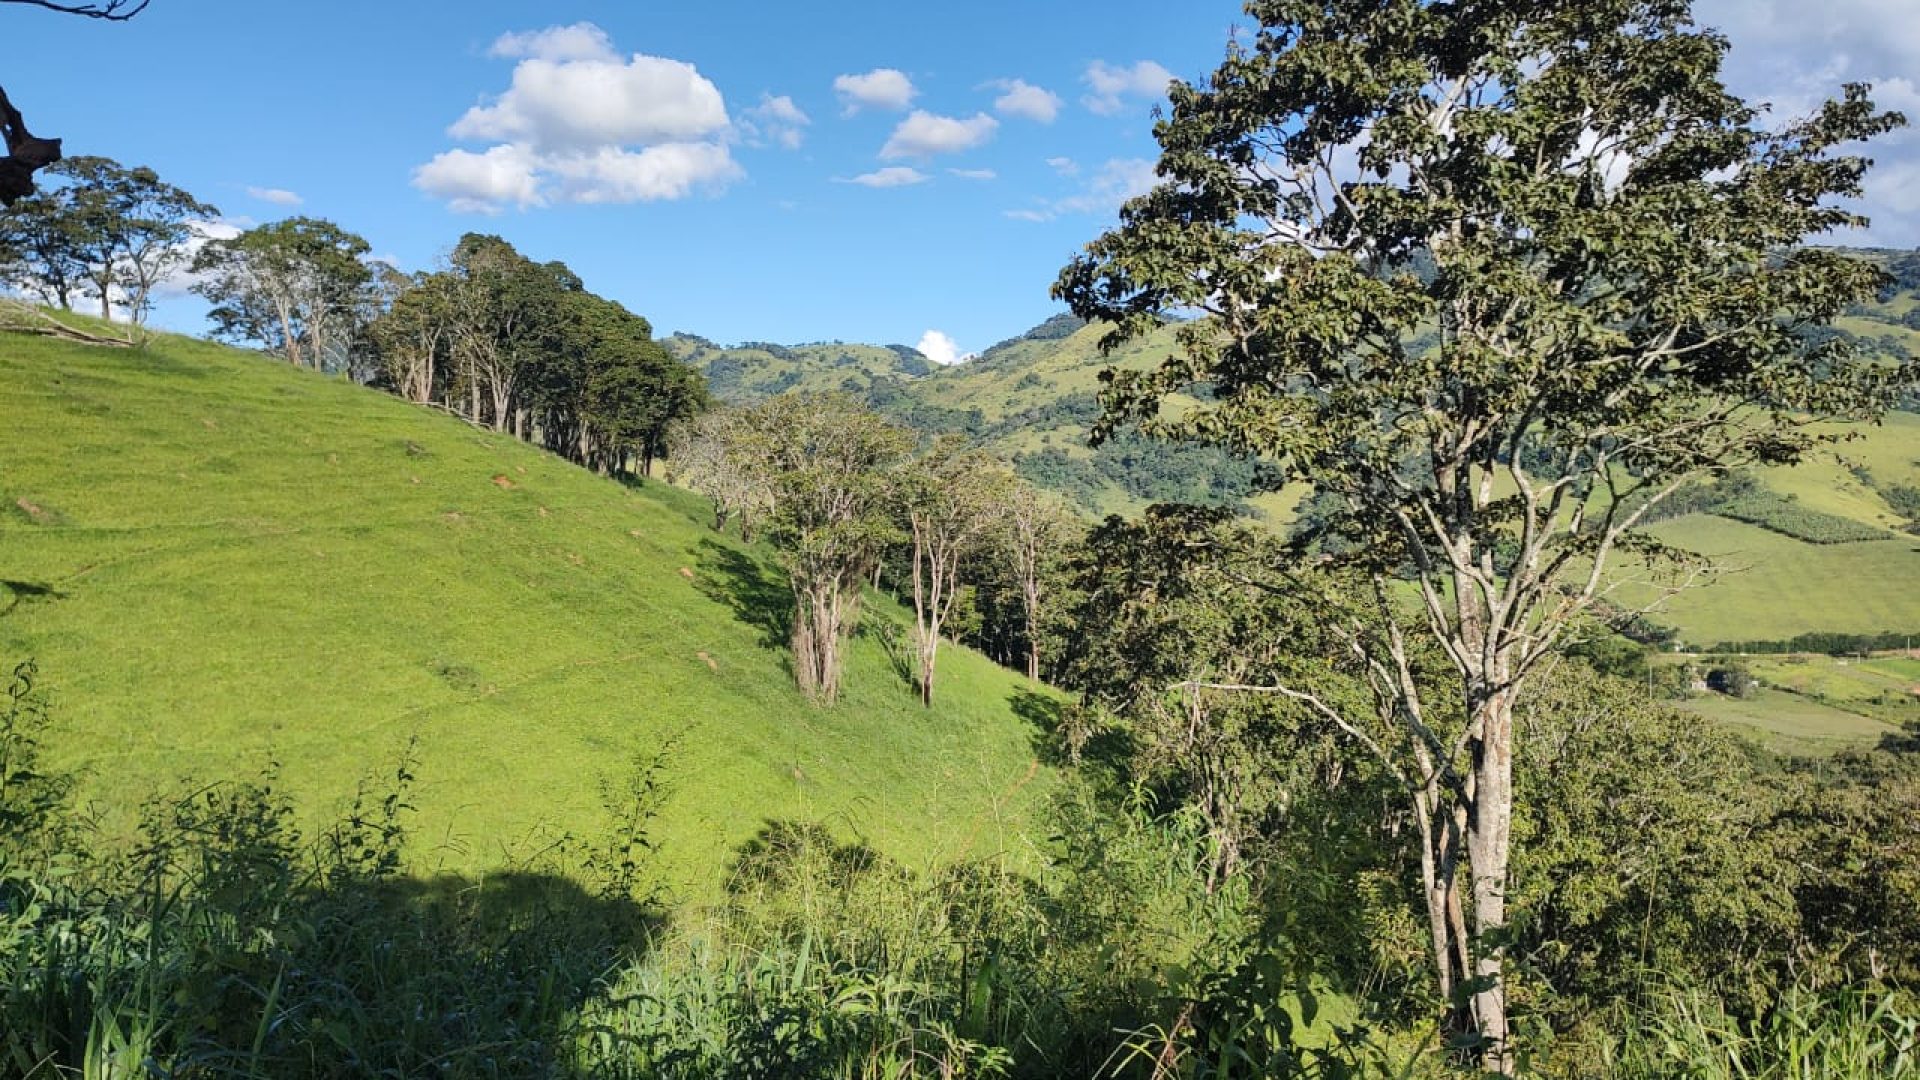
218 561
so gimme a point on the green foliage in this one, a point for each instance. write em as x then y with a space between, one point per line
1849 1035
297 288
101 230
30 794
1561 275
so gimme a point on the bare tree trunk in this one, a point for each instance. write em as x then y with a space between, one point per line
1489 845
1030 590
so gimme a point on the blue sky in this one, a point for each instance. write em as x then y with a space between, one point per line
951 157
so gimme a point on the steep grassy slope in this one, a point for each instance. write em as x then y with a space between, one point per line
218 561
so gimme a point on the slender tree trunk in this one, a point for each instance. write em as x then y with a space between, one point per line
1030 593
1489 846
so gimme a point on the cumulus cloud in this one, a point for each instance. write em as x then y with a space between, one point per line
924 134
1065 166
941 349
1021 98
1117 181
570 104
668 171
975 174
1109 85
485 182
776 121
274 195
887 89
1793 58
580 123
892 176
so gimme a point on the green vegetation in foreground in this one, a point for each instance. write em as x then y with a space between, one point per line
220 562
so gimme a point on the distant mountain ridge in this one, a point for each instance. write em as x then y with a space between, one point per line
1033 398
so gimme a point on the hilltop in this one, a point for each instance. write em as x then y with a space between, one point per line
220 562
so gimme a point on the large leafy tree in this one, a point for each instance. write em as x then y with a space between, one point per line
828 466
1496 277
297 287
125 229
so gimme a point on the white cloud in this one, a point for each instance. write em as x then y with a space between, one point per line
1065 166
581 41
923 134
578 123
667 171
891 176
941 349
975 174
570 104
276 196
1022 98
1111 85
1117 181
887 89
181 280
775 121
484 183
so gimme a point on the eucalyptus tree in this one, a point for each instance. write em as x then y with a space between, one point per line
413 337
1497 278
711 453
295 287
508 312
1034 529
40 243
828 464
951 499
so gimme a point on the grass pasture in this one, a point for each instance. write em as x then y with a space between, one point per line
218 562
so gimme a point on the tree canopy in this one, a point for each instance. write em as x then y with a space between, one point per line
1498 277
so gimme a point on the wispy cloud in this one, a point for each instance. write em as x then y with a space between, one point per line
889 177
276 196
1117 181
1109 85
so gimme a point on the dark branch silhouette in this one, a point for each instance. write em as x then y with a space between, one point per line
26 153
112 10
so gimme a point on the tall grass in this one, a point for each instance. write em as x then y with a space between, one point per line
1846 1035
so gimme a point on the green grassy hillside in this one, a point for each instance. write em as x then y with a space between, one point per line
219 561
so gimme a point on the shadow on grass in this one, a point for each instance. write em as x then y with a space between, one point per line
1064 733
757 595
894 641
20 592
395 976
